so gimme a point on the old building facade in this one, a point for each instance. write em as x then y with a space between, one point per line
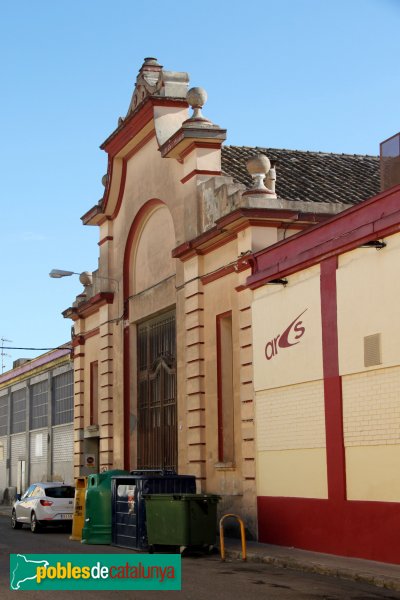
163 331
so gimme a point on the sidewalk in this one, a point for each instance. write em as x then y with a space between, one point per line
367 571
5 511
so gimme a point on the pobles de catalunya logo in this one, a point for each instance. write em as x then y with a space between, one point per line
289 337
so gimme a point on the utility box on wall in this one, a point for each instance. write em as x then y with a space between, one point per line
90 451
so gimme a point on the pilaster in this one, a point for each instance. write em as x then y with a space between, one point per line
106 381
79 407
194 352
247 405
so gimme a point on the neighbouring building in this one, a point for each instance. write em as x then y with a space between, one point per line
326 327
163 331
36 421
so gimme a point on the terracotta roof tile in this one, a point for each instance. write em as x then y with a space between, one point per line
310 176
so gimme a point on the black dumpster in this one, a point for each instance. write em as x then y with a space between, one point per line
128 505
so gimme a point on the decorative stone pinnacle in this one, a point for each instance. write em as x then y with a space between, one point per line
153 80
258 166
197 97
150 60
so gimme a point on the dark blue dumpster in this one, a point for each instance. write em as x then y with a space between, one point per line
128 505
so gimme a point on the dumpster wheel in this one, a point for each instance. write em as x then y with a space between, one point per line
208 548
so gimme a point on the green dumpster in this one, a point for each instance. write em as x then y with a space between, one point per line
97 523
181 519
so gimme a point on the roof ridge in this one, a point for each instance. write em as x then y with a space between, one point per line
319 152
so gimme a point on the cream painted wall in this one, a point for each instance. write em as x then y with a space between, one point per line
148 177
291 446
373 473
221 257
153 262
371 423
368 289
291 417
293 473
261 237
275 308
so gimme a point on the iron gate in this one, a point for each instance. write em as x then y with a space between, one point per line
157 422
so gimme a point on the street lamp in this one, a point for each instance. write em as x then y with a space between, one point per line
57 273
86 277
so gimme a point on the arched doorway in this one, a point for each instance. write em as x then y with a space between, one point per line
150 363
156 393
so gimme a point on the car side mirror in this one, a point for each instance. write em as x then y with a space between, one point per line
18 496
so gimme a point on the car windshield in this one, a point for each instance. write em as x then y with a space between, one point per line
61 491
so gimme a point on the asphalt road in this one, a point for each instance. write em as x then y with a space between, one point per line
204 577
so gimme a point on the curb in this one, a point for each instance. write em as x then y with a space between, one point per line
287 562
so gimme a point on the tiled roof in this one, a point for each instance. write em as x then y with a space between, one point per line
310 176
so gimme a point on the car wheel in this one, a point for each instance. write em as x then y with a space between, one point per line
14 523
35 525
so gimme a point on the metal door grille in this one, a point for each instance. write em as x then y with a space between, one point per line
157 423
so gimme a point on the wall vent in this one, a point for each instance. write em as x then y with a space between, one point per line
372 350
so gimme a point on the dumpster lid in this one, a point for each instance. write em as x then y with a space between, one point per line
161 472
151 475
182 496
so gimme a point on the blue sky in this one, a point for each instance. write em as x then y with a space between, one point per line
299 74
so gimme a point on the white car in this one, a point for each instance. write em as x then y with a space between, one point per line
49 503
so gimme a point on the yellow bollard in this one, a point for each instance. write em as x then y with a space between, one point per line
79 509
221 535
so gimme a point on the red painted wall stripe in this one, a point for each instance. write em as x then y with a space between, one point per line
335 454
353 528
220 413
108 238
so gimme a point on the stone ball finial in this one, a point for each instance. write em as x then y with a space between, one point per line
86 278
258 165
196 97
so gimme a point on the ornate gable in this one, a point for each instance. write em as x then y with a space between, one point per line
152 80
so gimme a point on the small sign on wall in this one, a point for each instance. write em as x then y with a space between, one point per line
90 461
39 444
